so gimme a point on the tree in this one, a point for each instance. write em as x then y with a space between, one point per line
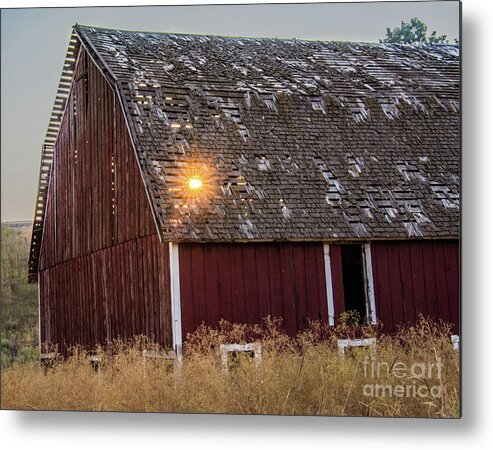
412 32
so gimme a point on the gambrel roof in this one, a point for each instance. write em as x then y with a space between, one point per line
294 139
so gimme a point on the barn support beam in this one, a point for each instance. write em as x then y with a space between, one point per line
328 285
370 289
174 267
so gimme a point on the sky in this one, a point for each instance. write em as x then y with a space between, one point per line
34 42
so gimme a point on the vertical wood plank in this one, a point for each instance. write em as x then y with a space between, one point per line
287 292
275 281
418 278
263 277
452 264
441 282
212 285
312 253
302 314
381 278
250 271
237 283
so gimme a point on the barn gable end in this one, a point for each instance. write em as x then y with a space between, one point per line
98 227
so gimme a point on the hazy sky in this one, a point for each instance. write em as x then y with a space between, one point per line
34 42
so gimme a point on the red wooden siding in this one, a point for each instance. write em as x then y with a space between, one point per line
96 194
103 272
413 277
117 292
244 283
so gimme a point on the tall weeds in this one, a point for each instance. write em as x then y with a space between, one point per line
306 375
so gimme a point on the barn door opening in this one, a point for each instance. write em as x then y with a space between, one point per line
353 279
357 281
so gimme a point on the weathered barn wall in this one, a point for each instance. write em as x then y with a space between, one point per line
413 277
96 195
116 292
246 282
103 272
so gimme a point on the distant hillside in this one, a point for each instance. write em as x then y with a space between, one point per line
19 224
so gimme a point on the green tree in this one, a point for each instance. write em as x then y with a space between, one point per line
412 32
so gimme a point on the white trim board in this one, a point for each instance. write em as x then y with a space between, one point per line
174 271
370 289
328 285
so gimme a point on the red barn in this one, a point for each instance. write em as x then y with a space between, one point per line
185 179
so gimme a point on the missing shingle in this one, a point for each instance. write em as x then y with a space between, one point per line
334 189
445 195
318 104
263 163
409 171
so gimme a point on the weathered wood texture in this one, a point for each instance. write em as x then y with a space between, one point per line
116 292
103 272
416 277
410 278
244 283
370 132
96 196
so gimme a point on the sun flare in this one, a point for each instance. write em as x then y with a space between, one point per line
194 183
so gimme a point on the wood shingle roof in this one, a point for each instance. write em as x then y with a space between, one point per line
293 139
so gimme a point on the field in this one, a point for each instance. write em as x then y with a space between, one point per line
413 373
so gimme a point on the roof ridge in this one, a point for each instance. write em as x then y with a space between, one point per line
263 38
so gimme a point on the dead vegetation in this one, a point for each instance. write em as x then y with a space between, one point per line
412 373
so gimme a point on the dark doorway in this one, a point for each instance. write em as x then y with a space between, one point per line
353 279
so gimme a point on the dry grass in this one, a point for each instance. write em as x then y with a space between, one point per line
302 376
